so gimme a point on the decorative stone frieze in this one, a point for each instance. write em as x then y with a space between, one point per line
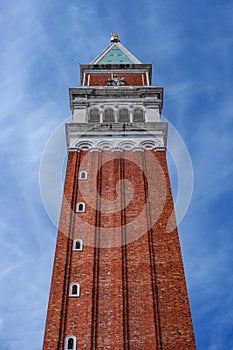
144 136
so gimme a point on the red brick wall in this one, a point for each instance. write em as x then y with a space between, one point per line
55 323
131 79
133 296
176 330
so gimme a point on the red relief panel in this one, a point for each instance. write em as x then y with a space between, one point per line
131 79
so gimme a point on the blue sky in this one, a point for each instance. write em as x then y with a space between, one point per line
190 44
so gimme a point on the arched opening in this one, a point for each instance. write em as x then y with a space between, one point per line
78 245
94 115
82 175
70 344
109 115
80 207
74 290
124 115
138 115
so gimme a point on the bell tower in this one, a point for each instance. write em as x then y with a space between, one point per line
118 280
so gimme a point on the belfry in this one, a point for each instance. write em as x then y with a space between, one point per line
118 280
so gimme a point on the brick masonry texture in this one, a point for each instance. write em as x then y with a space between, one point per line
131 79
133 295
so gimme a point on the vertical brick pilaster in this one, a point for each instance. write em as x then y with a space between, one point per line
54 330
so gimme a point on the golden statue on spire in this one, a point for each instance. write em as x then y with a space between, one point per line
114 38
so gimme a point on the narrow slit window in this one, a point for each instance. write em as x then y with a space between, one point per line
74 290
80 207
82 175
78 245
70 343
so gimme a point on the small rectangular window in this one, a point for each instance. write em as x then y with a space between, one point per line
74 290
78 245
82 175
80 207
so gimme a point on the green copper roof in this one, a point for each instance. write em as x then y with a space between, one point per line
115 56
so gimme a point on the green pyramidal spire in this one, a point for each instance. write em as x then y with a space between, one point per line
115 53
115 56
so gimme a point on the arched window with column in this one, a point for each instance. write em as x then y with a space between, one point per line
109 115
94 115
138 115
124 115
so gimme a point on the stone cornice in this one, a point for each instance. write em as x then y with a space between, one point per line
85 95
